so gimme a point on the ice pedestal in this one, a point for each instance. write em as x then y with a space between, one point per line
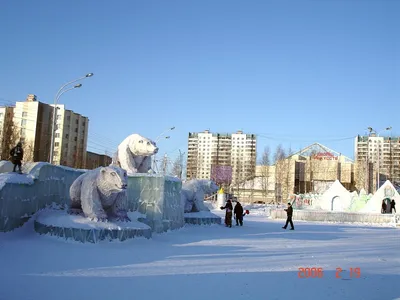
202 218
76 227
158 197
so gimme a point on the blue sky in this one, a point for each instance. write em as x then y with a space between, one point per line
292 72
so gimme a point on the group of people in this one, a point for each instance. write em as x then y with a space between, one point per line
392 206
237 212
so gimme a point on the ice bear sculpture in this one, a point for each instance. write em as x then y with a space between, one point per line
193 194
100 194
134 154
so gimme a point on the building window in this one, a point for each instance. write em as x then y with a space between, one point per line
76 121
56 144
58 117
24 114
67 136
22 140
69 118
23 131
75 139
55 153
76 129
23 123
57 135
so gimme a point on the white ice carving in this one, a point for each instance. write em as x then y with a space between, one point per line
134 154
100 194
193 194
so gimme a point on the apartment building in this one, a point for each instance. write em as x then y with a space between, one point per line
210 153
377 155
6 131
95 160
70 138
32 125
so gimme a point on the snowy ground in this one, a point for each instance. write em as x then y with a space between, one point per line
257 261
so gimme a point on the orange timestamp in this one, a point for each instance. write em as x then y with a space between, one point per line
319 273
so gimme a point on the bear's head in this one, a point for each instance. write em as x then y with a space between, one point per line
112 179
209 186
142 146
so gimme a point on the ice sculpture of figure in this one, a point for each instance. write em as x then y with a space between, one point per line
134 154
100 194
193 194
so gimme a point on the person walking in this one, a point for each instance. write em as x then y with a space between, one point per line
238 211
384 206
228 213
392 206
289 212
17 154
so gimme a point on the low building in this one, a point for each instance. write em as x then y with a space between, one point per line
95 160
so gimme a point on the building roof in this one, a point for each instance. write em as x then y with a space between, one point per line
317 148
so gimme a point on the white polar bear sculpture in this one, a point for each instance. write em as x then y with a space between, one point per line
134 154
100 194
192 194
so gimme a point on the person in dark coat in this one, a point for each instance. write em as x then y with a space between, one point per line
17 154
289 212
384 206
392 206
228 213
238 211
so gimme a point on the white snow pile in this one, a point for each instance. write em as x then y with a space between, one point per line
336 198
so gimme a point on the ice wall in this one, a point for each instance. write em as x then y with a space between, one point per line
159 198
23 195
156 196
333 216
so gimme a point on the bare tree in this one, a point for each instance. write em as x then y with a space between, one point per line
9 139
279 161
265 163
177 167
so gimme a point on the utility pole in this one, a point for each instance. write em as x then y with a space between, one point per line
181 154
165 161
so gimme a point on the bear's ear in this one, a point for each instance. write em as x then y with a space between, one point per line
103 170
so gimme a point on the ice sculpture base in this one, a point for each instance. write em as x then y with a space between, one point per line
202 218
76 227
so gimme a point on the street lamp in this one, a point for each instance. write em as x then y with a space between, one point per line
378 152
57 96
165 131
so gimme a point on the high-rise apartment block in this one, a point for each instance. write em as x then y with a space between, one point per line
207 150
70 138
377 154
32 125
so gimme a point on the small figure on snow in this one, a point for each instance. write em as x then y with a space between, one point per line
392 206
238 211
17 154
228 213
289 212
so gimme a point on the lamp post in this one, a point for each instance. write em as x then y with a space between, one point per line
378 153
165 131
154 156
57 96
